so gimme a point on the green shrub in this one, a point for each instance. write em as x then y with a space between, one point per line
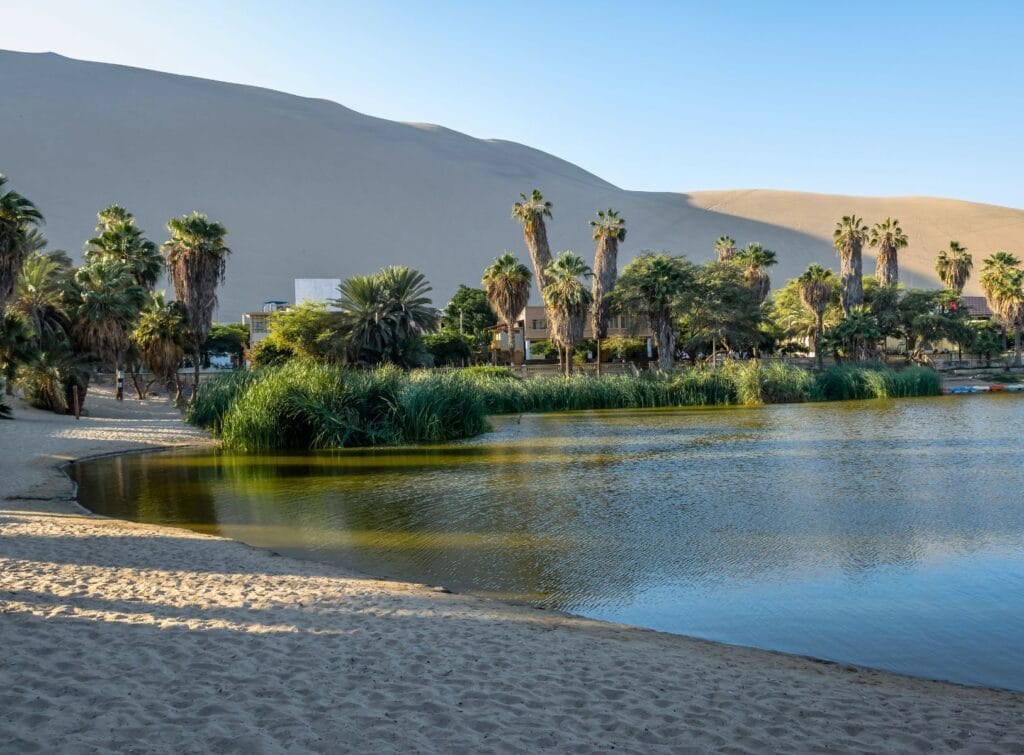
216 396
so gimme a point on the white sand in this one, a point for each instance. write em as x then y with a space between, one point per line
116 636
310 189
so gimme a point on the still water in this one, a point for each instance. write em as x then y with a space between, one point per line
889 534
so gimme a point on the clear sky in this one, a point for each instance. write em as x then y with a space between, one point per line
865 97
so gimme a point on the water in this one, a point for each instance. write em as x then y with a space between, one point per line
889 534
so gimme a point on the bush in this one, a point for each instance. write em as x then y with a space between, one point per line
849 382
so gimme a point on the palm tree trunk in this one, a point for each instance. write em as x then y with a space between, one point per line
817 341
666 344
1017 344
511 344
598 366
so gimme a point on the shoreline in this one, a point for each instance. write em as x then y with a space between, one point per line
540 679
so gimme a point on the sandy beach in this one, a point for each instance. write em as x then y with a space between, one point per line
123 637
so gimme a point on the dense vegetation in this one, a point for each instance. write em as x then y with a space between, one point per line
303 405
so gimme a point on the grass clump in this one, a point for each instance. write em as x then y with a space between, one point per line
302 405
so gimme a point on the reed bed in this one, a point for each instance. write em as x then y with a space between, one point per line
301 405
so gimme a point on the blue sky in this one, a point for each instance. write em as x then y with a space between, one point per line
860 98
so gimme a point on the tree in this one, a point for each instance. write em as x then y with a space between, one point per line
722 311
39 297
848 239
507 286
197 257
531 212
308 331
954 266
725 248
470 313
18 345
121 240
989 341
1002 280
888 237
855 334
608 230
654 286
161 337
567 296
756 260
449 347
106 306
817 286
226 338
385 315
17 217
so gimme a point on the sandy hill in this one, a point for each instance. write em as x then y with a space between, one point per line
309 188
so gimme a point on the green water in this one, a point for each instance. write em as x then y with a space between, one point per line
887 533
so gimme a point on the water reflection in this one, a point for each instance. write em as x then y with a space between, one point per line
887 533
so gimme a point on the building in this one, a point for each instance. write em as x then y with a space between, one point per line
258 321
316 290
977 307
532 326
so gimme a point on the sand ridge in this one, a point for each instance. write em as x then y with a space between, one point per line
128 637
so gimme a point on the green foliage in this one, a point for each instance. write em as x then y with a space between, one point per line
846 382
724 308
449 348
120 240
385 316
228 338
623 347
989 341
268 354
305 406
308 331
476 316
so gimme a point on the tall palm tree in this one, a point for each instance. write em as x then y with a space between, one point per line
1002 280
38 297
954 266
569 298
17 217
888 237
816 286
18 346
608 230
506 282
531 212
161 336
197 258
106 305
725 248
120 239
756 260
848 239
385 314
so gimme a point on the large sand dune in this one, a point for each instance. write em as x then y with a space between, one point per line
309 188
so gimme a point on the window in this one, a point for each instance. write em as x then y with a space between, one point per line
259 324
539 324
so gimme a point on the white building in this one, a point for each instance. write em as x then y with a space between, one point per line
316 290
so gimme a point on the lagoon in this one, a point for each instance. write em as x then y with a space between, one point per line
882 533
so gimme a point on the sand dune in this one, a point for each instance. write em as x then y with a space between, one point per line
309 188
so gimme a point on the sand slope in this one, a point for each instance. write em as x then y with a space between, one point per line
137 638
309 188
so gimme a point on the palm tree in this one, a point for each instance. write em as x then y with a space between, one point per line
506 282
385 315
816 286
197 257
954 267
17 216
17 346
756 261
531 212
725 248
106 305
1002 280
38 297
889 238
161 336
653 286
120 239
848 239
568 297
609 230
